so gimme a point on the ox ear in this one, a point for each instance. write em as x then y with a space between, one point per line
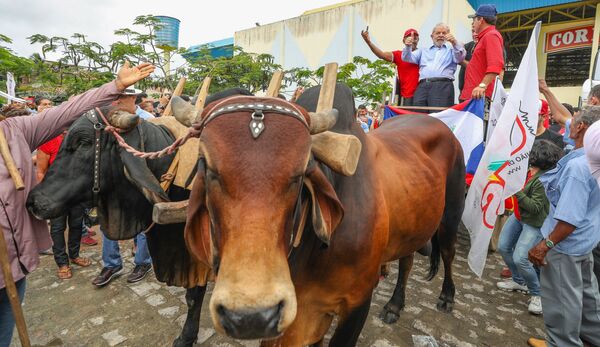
197 226
327 210
138 173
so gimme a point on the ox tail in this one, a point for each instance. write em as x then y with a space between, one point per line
434 258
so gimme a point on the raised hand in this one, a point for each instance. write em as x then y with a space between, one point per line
365 35
128 75
450 38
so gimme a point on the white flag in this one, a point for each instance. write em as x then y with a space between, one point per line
503 167
496 105
10 84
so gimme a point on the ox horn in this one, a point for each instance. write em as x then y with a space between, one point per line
322 121
123 119
183 111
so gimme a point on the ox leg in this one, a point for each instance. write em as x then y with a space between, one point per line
391 310
447 239
348 330
189 334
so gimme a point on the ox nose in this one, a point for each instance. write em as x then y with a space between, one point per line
250 325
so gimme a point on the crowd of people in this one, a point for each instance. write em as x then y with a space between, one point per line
550 243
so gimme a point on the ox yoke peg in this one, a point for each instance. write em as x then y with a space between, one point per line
257 124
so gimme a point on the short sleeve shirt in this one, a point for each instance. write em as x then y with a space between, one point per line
574 198
408 75
51 147
488 57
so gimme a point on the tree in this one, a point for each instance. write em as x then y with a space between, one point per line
9 62
245 70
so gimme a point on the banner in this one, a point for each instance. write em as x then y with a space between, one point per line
10 84
497 104
503 167
570 38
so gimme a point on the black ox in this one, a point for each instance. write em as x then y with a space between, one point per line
127 187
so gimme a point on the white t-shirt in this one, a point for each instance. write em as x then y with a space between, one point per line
591 145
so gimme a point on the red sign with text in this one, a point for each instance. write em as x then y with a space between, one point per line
569 38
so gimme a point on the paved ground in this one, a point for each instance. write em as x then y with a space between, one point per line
75 313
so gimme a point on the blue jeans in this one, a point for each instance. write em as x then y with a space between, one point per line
111 256
516 239
7 320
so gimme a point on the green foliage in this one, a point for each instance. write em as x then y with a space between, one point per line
244 70
10 62
369 80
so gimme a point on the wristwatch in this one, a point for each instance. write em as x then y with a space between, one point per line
482 85
549 243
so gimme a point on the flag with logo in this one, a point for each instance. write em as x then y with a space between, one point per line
503 167
466 122
496 105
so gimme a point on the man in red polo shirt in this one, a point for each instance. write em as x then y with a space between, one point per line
488 58
408 73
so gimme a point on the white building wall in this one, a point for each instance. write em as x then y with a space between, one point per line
333 35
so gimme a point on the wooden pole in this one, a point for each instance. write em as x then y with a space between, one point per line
177 92
10 162
201 100
327 87
11 291
275 84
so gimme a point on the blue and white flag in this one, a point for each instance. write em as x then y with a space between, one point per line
466 122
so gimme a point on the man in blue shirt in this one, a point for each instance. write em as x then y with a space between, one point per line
437 65
139 98
571 231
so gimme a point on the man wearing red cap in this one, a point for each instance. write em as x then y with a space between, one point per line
408 73
543 133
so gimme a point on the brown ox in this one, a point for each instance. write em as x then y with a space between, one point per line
245 214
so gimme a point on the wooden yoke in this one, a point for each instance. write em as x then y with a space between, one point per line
338 151
10 162
201 100
275 84
177 92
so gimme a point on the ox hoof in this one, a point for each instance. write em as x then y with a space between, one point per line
388 316
445 306
183 342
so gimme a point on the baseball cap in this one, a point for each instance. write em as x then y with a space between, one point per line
485 10
543 108
410 31
131 91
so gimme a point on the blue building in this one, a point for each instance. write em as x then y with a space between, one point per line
168 35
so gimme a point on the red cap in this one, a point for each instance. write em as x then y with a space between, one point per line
408 32
544 108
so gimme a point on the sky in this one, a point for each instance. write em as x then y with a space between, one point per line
201 21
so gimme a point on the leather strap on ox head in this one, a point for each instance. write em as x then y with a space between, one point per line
258 110
98 127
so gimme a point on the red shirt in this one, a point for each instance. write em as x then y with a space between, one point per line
408 75
51 148
488 57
